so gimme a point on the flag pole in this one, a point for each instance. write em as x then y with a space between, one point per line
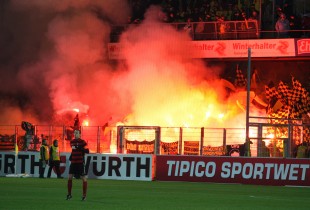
16 150
247 141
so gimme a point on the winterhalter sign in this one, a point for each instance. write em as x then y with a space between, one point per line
230 48
239 48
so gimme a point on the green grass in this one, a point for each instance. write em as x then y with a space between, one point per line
44 194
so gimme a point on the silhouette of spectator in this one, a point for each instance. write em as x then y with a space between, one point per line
253 15
77 124
188 27
302 150
208 18
199 30
265 152
305 24
29 135
70 129
282 26
236 16
221 27
247 148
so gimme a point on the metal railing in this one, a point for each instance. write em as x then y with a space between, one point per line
269 140
226 30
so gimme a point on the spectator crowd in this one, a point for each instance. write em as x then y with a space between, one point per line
182 11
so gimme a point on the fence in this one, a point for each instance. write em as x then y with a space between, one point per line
226 30
268 140
94 136
207 30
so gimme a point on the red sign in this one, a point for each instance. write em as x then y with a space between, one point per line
259 171
226 48
303 47
239 48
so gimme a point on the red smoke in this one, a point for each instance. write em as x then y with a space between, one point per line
156 84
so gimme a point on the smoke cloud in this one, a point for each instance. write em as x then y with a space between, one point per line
169 88
54 59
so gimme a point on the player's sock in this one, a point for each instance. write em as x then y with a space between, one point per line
69 186
84 188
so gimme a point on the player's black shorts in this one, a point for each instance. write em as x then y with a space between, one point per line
77 169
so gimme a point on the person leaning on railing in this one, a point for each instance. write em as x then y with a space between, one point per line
282 26
302 150
200 29
265 152
29 135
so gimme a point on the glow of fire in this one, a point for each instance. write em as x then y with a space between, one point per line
113 149
85 123
195 108
141 135
270 136
208 114
221 116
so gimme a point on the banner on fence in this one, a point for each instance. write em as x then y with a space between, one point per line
191 148
213 151
140 147
170 148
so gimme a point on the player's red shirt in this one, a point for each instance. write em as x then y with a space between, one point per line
77 154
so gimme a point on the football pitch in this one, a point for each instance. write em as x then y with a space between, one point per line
44 194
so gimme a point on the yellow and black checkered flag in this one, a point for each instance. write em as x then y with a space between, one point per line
240 80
